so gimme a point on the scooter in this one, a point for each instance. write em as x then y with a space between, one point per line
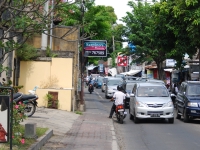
29 100
120 113
173 97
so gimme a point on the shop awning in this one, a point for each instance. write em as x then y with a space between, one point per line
91 67
124 73
112 71
133 72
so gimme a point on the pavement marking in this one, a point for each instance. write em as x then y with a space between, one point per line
98 95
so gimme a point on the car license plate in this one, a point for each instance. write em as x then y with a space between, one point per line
193 111
155 115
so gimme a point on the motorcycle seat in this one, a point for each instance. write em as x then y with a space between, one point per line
17 96
25 97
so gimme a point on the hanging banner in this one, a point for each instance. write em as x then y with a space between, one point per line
95 48
4 115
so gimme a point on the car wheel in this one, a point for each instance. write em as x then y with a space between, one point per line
185 117
136 120
171 120
178 116
130 116
107 97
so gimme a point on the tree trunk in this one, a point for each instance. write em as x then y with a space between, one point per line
160 68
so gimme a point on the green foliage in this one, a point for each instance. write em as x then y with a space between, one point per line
18 117
27 52
3 68
164 30
98 20
49 53
50 100
79 112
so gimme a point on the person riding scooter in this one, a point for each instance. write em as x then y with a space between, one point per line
119 97
91 84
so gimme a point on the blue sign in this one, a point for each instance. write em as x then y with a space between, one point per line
100 68
95 48
132 47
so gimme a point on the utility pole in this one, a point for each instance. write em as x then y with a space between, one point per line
82 58
51 30
113 38
44 35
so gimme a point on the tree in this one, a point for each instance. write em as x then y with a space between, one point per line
21 19
99 20
157 33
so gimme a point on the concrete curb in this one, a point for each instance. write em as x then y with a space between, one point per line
42 140
115 145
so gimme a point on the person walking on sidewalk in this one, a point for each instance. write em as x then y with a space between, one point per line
119 98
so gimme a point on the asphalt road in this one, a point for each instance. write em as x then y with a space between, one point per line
154 134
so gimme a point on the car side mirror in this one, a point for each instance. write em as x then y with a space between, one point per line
132 95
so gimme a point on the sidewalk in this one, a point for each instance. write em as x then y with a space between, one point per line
90 131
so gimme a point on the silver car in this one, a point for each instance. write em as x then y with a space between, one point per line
150 100
103 84
111 86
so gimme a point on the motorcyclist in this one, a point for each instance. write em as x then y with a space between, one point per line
91 81
119 97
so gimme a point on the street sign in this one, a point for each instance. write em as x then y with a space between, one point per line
95 48
122 61
100 68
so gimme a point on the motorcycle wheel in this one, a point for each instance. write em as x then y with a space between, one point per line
29 109
121 119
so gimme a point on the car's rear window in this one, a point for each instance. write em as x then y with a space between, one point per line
152 91
114 82
193 90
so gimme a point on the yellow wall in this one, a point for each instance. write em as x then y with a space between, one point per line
62 69
55 75
64 98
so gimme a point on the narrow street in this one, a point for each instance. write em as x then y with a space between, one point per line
155 134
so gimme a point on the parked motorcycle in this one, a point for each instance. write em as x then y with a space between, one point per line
120 113
173 97
90 88
29 100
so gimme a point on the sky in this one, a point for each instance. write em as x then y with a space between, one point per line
120 7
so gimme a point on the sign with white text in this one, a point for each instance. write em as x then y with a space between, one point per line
95 48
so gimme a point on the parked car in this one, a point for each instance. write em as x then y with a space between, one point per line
128 88
188 101
120 76
98 82
130 78
111 86
103 84
150 101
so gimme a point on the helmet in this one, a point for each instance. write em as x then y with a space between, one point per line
119 88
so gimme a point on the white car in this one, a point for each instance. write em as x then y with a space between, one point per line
150 101
111 86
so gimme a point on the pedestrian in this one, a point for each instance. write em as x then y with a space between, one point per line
175 89
118 98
